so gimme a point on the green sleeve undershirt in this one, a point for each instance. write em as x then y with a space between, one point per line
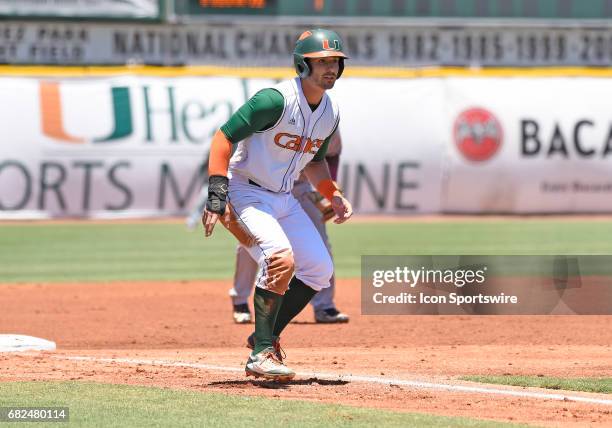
323 150
259 113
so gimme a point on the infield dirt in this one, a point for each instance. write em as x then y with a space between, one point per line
191 322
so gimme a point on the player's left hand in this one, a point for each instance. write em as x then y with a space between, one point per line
342 209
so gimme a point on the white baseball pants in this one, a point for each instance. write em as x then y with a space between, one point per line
246 268
278 222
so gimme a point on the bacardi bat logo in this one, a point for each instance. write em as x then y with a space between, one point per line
478 134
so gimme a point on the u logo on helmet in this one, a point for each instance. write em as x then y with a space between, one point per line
329 48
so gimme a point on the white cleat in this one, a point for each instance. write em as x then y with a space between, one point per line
266 365
241 314
331 316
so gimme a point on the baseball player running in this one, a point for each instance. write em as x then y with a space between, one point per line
319 211
280 132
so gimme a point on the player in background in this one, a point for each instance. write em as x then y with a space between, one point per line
319 210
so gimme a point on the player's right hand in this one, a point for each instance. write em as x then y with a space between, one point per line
209 220
216 203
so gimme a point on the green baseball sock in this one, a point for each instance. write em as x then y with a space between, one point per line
295 299
266 305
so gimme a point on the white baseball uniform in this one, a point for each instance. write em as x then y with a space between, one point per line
261 175
246 268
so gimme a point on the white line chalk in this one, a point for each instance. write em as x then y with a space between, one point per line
356 378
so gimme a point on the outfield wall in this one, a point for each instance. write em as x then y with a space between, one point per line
136 145
235 41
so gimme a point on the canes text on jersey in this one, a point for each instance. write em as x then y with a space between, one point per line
294 142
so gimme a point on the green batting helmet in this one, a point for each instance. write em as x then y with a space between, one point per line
317 43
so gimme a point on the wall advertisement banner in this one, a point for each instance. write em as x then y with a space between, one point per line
391 159
107 147
132 146
136 146
528 146
132 9
264 45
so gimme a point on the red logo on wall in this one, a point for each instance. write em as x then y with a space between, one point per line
478 134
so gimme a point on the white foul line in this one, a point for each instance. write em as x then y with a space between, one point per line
355 378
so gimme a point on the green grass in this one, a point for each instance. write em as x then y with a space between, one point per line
600 385
509 237
99 252
103 405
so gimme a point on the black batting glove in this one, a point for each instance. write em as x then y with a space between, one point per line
217 194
